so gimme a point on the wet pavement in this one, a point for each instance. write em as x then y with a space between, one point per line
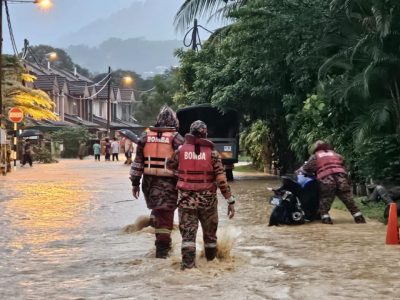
62 238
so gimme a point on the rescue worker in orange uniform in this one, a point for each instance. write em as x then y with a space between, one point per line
154 148
200 172
332 177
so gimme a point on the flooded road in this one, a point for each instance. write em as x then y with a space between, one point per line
62 238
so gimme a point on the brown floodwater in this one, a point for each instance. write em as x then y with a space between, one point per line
65 234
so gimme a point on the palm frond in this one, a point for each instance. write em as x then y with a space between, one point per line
215 9
377 116
337 60
191 9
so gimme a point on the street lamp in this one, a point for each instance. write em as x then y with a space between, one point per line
127 80
52 56
44 4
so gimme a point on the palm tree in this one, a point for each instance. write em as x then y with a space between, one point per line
192 9
368 56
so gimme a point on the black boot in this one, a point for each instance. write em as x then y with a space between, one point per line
210 253
360 219
188 259
162 249
327 220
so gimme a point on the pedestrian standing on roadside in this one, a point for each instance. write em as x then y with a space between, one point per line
154 147
333 181
82 150
200 173
96 150
128 151
107 150
28 152
115 149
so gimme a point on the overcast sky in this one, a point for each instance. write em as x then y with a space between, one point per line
68 17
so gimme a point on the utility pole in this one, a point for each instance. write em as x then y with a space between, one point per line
195 34
108 101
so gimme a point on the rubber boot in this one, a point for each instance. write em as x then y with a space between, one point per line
162 249
359 219
326 220
188 259
210 253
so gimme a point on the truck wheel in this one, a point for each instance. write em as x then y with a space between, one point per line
229 174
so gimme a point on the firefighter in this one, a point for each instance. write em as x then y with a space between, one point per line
331 174
156 145
200 172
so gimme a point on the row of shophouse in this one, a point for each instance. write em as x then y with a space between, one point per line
80 101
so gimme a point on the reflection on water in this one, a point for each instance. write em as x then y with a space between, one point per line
62 238
45 212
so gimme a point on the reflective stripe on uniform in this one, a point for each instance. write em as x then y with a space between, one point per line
210 245
325 216
162 231
357 214
188 245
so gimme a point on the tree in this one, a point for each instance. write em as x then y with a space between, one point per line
258 63
117 79
166 86
71 138
34 103
192 9
63 61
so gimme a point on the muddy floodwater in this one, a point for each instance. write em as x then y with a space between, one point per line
62 237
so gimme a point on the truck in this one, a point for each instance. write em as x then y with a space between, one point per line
222 127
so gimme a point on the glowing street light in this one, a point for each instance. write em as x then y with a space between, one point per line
44 4
52 56
128 80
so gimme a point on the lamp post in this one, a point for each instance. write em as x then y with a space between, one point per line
50 57
44 4
109 102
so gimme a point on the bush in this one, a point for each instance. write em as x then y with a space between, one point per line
379 158
71 138
44 156
256 143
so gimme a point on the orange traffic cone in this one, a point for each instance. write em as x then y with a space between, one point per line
392 234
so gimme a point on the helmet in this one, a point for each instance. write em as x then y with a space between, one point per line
321 146
167 118
199 129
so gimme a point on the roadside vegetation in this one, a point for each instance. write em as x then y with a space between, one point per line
302 70
372 210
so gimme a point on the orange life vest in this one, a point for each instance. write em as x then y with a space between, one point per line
196 172
157 150
328 163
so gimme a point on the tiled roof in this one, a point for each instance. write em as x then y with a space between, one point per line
61 81
103 95
79 121
117 124
127 94
77 88
46 83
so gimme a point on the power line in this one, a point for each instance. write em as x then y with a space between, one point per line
92 96
13 43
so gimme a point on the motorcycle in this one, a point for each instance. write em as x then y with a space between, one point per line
296 202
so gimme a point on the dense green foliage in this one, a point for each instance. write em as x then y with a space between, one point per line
165 87
117 79
309 69
256 142
71 138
